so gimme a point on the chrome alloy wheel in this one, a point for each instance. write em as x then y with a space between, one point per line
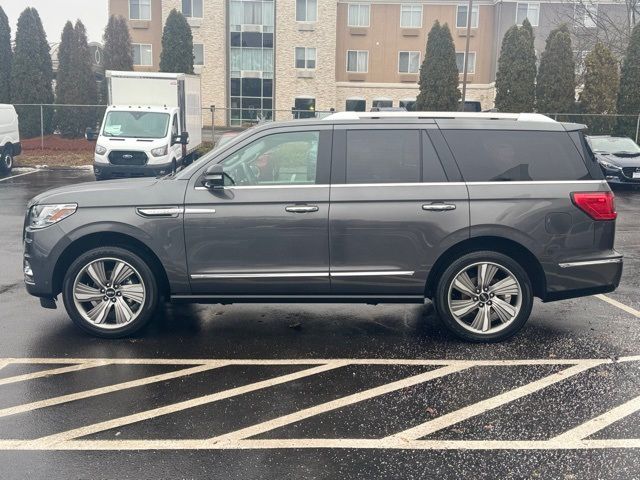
109 293
485 297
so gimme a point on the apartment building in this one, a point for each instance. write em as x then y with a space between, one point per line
263 58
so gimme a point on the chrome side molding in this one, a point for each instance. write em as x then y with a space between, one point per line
167 212
591 262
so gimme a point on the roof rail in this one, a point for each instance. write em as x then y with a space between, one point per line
520 117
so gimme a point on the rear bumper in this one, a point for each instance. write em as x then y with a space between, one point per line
104 171
583 277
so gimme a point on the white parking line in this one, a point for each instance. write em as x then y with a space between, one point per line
27 407
621 306
176 407
488 404
338 403
53 371
18 175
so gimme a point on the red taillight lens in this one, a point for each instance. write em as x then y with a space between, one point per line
598 205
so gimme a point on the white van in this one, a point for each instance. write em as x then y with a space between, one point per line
9 137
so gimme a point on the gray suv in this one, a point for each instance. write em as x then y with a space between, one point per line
478 212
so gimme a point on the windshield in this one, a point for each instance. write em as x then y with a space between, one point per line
136 124
613 145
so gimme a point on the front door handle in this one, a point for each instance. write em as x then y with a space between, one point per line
438 207
302 208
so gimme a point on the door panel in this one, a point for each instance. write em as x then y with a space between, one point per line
265 238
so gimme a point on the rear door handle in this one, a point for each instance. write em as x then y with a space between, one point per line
302 208
438 207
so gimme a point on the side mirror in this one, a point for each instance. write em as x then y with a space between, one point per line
214 177
182 139
91 134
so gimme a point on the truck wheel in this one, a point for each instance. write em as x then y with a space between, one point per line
484 297
6 163
110 292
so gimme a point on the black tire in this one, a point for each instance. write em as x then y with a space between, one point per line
441 299
147 308
6 162
174 166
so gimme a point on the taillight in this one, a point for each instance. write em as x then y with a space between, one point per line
598 205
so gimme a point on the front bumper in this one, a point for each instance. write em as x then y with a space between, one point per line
42 248
618 177
582 277
104 171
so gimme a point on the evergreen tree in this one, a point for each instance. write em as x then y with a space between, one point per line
516 75
177 45
556 84
5 58
439 74
601 83
76 82
117 49
32 74
629 94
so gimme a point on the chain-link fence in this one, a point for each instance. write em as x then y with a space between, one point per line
61 128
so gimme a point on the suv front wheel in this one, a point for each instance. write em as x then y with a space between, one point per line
484 297
110 292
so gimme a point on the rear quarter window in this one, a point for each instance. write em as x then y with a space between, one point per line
512 155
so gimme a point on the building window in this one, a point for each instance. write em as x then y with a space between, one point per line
358 15
409 104
192 8
471 63
140 9
410 16
356 105
142 54
461 16
382 103
409 62
530 11
306 10
357 61
304 107
589 13
198 54
306 58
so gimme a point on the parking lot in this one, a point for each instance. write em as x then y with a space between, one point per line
316 391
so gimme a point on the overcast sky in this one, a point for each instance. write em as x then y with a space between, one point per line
55 13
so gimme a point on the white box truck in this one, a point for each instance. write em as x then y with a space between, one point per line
10 145
152 125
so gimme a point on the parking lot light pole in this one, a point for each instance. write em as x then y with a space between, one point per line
465 61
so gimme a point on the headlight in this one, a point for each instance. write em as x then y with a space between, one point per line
44 215
609 166
100 150
160 151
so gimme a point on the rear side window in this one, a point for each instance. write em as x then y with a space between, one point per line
383 156
499 155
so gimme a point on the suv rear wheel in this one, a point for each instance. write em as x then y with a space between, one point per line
110 292
484 297
6 162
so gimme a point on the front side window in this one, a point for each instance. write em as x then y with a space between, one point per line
140 9
306 58
510 155
278 159
410 16
136 124
198 54
471 63
142 55
383 156
358 15
461 16
357 61
192 8
306 10
409 62
530 11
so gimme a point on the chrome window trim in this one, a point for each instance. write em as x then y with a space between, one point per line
588 263
254 187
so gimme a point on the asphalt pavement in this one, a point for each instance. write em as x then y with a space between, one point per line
316 391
